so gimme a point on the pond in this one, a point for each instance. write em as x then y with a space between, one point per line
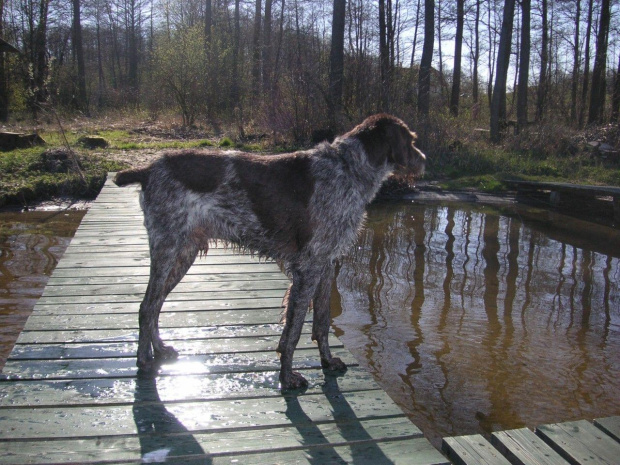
476 319
31 244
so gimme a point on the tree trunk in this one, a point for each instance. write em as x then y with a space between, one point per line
476 59
615 100
586 67
575 78
597 94
234 87
336 62
4 88
208 26
424 78
267 66
384 58
458 48
524 67
81 98
498 101
40 69
256 52
544 63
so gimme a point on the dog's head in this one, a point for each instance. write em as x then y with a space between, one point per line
387 139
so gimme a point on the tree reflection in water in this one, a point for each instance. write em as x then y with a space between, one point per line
476 320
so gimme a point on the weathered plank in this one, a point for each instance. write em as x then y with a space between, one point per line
472 450
111 420
193 387
323 443
610 425
187 364
581 442
523 447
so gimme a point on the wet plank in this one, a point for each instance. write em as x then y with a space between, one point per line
70 391
74 392
523 447
472 450
610 425
581 442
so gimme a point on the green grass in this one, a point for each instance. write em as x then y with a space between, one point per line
26 177
456 162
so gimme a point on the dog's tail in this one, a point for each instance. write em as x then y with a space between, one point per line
132 176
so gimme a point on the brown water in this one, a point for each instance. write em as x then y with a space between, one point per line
475 320
31 244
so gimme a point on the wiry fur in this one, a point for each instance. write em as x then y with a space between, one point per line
303 209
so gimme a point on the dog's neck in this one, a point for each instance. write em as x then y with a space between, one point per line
355 160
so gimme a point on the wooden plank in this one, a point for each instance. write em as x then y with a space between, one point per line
187 388
472 450
231 331
144 270
382 442
256 295
168 318
523 447
212 289
581 442
111 420
610 425
106 349
187 364
239 278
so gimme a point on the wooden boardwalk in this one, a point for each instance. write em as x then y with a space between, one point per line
571 443
69 391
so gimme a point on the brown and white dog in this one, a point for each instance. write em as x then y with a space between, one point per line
303 209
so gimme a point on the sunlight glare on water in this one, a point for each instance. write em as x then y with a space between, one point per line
475 320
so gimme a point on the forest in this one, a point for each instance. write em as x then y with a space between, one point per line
298 70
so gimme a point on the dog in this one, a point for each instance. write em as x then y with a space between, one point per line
303 209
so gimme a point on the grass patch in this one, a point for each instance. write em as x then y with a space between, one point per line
32 174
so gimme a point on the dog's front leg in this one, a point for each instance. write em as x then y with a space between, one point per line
301 291
321 321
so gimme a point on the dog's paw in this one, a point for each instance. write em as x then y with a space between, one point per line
166 353
292 381
147 368
334 364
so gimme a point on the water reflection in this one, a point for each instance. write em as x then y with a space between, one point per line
475 321
30 246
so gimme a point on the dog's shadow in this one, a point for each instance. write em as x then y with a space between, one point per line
162 435
349 428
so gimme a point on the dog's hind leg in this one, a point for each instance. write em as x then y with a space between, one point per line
301 291
321 321
169 263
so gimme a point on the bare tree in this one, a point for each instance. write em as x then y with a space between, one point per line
498 102
256 55
424 78
524 65
615 99
384 57
576 56
544 63
597 94
586 66
336 62
458 49
78 50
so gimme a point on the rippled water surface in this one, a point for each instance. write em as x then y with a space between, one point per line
475 320
30 246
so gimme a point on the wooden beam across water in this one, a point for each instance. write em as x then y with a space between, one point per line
69 391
